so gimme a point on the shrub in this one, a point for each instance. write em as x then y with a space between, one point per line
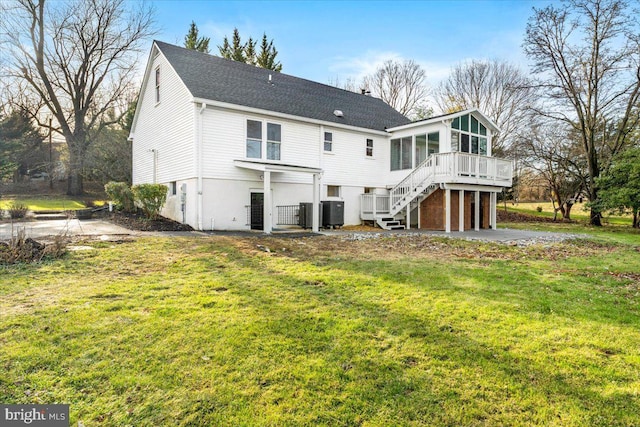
120 193
17 210
539 208
150 198
21 249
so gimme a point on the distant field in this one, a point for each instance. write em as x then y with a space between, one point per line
578 212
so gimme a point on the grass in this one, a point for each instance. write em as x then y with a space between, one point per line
328 331
43 203
579 212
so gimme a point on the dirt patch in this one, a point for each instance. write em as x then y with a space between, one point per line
521 217
418 246
138 222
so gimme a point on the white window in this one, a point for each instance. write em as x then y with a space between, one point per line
333 191
328 141
274 134
255 131
254 139
157 84
401 153
468 135
369 150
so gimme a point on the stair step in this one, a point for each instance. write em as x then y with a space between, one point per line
397 227
50 216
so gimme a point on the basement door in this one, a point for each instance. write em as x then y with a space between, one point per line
257 211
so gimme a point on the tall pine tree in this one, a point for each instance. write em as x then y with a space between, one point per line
192 41
267 57
247 53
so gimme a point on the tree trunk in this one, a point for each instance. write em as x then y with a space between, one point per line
76 165
636 220
567 211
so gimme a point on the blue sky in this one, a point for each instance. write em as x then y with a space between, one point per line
325 40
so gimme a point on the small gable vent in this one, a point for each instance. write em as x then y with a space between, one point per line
338 113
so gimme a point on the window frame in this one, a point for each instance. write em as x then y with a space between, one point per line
337 188
157 84
274 143
253 139
369 147
328 141
263 141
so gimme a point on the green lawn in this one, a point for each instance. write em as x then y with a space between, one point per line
42 203
208 331
579 212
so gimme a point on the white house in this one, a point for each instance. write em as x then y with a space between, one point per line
241 147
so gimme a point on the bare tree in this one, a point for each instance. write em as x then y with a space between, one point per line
74 60
554 153
498 89
399 84
587 53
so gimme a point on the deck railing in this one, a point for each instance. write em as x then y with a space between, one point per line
439 168
372 205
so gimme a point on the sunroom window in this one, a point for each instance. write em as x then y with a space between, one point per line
401 153
468 135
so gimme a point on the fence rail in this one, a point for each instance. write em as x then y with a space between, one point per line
288 214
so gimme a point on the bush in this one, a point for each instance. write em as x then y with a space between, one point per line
21 249
539 208
150 198
120 193
17 210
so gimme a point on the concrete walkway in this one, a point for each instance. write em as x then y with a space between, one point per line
63 227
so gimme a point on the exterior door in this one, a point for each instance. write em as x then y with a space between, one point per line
257 211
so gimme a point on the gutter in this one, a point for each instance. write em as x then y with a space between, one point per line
199 167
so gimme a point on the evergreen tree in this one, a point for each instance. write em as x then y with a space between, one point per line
192 41
225 49
267 56
247 53
20 145
250 52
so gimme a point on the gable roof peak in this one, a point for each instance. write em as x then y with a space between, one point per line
213 78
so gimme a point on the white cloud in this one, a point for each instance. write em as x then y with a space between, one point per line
360 66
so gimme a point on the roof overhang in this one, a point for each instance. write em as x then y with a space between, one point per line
274 167
487 121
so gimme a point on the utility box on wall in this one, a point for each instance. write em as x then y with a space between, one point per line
332 213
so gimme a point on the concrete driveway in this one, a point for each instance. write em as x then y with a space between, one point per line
68 227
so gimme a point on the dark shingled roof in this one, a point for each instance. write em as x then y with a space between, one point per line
217 79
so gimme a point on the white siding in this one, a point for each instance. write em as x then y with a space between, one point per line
167 127
224 140
348 164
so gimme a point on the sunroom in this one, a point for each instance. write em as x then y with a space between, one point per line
447 157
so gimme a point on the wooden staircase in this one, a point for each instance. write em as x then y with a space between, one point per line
389 223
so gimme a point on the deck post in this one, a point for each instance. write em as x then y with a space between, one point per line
315 222
267 208
447 210
477 212
493 204
408 216
461 210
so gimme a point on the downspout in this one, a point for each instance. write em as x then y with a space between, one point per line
199 167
